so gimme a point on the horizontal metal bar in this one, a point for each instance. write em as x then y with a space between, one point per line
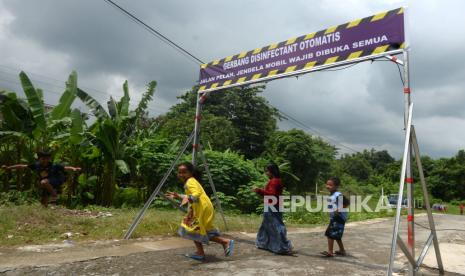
305 71
394 59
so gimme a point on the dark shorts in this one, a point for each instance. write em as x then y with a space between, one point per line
56 184
335 229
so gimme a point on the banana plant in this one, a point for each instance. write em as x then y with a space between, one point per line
27 126
112 132
29 120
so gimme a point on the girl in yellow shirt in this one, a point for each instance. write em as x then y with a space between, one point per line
197 225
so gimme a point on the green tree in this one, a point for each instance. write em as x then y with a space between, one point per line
447 178
365 164
357 166
217 133
248 112
309 158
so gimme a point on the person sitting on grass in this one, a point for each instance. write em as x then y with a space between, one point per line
51 175
338 218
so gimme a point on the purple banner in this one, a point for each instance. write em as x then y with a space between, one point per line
352 41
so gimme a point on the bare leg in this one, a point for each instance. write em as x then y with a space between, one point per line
330 246
221 240
44 200
46 186
341 246
199 247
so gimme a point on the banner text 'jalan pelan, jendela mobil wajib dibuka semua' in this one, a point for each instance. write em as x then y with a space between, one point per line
371 36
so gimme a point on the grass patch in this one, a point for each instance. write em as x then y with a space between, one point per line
33 224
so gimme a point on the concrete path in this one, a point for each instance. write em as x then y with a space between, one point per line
368 243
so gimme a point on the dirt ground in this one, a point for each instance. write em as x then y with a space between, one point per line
368 244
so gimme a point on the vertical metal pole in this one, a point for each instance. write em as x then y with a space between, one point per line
395 231
409 178
195 144
212 185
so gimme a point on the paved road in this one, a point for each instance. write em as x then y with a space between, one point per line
367 242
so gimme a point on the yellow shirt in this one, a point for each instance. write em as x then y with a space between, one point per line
203 211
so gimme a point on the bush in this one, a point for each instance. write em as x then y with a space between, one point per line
228 203
249 201
127 197
229 171
18 198
85 194
233 177
149 160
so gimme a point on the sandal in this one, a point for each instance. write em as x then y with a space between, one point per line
340 253
326 254
228 251
195 257
288 253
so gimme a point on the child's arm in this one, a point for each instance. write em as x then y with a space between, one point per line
193 192
17 166
74 169
270 189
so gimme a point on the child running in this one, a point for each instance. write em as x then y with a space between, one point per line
197 225
338 218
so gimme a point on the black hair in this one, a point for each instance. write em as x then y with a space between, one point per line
273 169
336 181
197 174
43 153
345 202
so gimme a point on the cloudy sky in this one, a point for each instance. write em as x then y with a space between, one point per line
360 107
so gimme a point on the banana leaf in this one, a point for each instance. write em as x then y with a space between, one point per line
123 105
4 134
94 106
35 103
112 108
107 136
146 98
67 98
122 166
76 127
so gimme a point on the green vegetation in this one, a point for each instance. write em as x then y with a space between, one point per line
124 153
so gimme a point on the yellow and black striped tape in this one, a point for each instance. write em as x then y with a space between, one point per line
311 64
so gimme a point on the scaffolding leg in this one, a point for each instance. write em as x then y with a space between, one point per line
411 144
427 204
212 185
395 231
139 217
